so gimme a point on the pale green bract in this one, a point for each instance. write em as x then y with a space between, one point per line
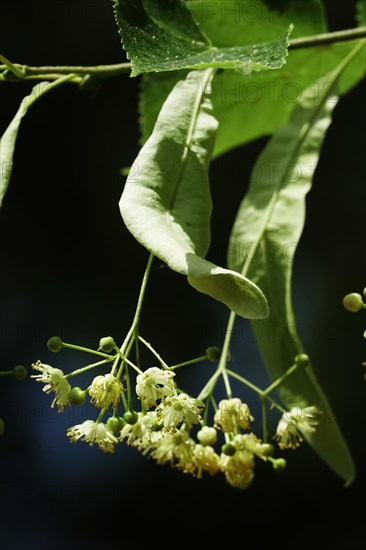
269 224
166 201
162 36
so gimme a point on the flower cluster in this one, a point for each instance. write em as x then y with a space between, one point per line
170 426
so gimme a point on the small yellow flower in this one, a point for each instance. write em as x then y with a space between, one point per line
94 433
232 414
177 409
154 384
144 433
55 381
206 459
251 443
177 449
294 424
238 468
105 391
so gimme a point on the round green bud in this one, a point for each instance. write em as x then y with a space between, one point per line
158 426
2 427
302 360
107 344
228 449
364 334
364 291
55 344
279 464
131 417
207 436
115 424
213 354
353 302
20 372
77 396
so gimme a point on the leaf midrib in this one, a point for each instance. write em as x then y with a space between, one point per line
190 133
299 143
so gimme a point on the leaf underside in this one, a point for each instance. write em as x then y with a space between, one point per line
166 201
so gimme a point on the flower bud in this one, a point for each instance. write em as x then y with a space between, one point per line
228 449
107 344
353 302
157 426
20 372
77 396
279 464
131 417
55 344
207 436
302 360
213 354
115 424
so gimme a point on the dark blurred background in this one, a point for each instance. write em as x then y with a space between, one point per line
70 268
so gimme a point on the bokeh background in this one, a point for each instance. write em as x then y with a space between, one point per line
69 267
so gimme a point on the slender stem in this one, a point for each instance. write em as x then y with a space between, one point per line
140 300
264 420
213 403
126 360
327 38
221 368
100 416
11 67
124 401
154 352
275 404
206 409
6 372
190 362
280 380
128 384
245 382
100 71
227 384
115 365
256 390
87 350
88 367
137 347
120 370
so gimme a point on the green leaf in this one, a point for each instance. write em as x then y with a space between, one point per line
162 36
248 107
166 201
268 225
8 139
